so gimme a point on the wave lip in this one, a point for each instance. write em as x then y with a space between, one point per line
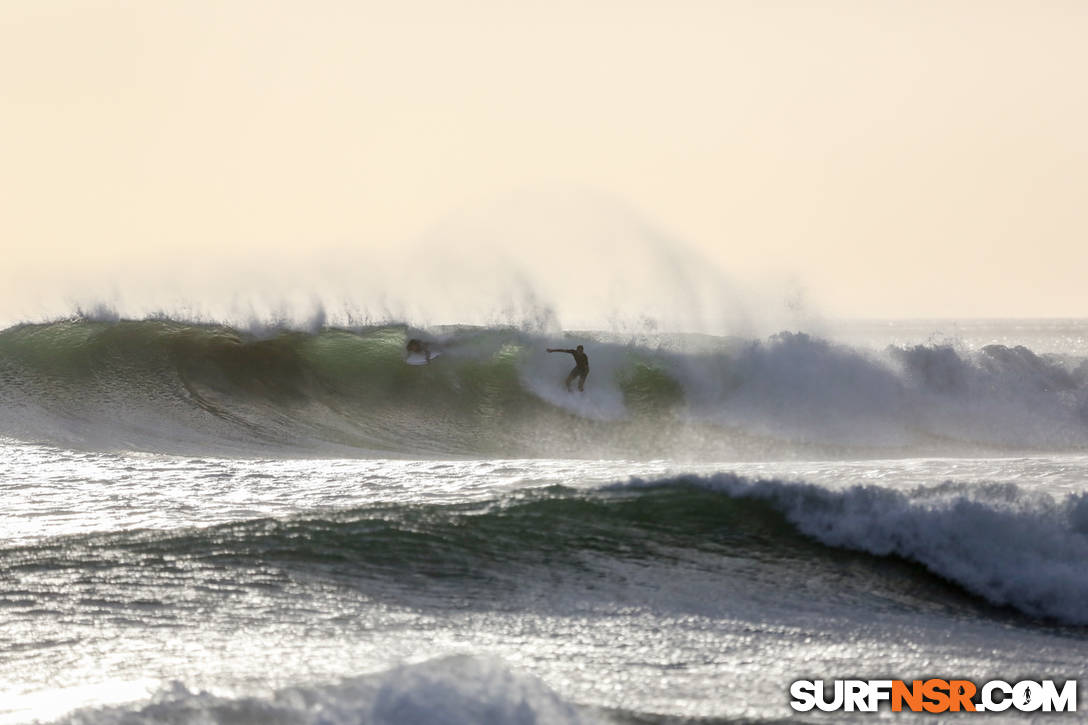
1011 547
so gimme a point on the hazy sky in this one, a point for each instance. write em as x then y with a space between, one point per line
900 159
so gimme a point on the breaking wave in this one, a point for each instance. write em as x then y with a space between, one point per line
164 385
1004 546
1009 546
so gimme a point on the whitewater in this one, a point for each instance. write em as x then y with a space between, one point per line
210 523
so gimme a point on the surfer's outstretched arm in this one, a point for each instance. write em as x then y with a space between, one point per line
556 349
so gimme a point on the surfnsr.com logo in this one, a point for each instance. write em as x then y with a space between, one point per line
934 695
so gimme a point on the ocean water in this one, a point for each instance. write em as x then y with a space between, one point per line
205 524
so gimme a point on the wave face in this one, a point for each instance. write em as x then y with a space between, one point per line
703 544
169 386
1035 565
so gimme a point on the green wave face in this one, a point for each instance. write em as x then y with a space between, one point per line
170 386
165 382
680 540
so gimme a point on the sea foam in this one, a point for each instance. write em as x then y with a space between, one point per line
1012 547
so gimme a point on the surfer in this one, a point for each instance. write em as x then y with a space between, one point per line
581 367
418 347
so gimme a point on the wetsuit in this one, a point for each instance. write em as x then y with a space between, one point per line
580 371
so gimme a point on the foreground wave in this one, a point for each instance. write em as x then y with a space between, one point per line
691 539
1009 546
163 385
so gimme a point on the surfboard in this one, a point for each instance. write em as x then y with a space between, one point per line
419 358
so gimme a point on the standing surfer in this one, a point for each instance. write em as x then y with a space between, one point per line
581 367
